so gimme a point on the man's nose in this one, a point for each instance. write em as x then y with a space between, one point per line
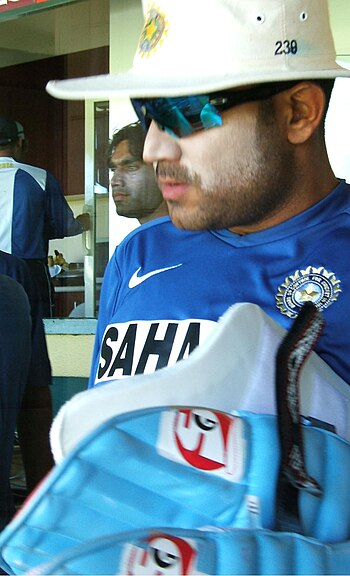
160 146
117 178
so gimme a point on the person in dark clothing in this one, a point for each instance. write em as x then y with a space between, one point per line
25 379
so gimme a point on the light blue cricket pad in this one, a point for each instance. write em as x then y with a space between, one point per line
165 551
178 467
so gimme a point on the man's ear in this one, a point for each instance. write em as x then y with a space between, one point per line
306 110
23 144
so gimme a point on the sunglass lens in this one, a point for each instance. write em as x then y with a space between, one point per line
210 117
179 116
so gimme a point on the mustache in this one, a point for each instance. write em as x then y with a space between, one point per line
175 172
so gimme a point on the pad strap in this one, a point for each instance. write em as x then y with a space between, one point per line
292 354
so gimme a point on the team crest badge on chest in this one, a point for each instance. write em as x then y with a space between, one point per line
316 285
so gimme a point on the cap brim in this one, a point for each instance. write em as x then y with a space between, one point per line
135 85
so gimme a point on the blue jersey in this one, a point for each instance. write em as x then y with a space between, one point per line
164 288
33 210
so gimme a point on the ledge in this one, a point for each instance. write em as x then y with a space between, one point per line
70 325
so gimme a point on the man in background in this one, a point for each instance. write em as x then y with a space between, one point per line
25 379
33 210
133 183
15 335
134 188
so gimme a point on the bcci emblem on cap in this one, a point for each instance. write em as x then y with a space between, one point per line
156 26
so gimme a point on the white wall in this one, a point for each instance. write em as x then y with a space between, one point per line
338 118
339 11
338 129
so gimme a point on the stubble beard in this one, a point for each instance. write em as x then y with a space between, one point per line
244 191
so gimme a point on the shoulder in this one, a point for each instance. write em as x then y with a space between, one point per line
161 229
30 169
38 174
12 293
345 190
341 192
156 226
15 267
159 241
143 236
10 263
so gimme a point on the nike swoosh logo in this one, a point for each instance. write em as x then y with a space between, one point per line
135 280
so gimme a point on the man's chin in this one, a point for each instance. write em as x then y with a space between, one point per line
186 219
121 212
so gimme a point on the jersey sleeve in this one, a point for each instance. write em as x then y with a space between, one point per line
60 220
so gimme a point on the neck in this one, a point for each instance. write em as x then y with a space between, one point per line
308 190
162 210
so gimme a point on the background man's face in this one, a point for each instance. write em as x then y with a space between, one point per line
134 188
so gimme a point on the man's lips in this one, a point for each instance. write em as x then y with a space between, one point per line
119 195
173 190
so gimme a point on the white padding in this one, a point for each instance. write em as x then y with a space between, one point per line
233 369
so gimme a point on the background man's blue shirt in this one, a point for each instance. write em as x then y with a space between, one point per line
33 210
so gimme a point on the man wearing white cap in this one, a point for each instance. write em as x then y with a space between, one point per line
234 96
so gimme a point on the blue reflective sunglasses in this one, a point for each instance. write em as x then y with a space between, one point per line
184 115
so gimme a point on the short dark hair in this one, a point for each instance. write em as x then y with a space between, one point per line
134 134
8 132
327 85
